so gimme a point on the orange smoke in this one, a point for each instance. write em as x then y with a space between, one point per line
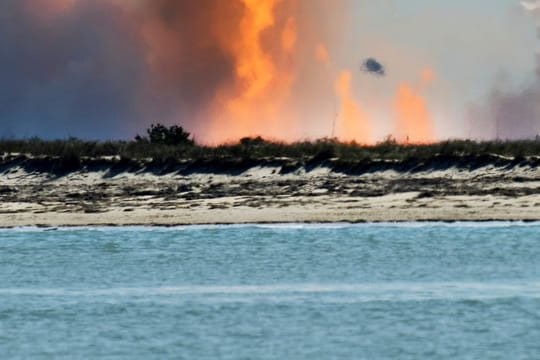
352 124
427 76
289 36
414 122
321 54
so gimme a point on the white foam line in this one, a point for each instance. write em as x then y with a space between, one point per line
367 292
285 226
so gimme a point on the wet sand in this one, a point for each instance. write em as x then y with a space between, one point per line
267 194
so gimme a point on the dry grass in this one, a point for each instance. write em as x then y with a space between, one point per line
73 150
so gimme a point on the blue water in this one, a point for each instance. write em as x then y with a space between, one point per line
272 292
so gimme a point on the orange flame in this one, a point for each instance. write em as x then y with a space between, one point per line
414 121
253 105
353 123
254 68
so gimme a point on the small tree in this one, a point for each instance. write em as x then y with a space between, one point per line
160 134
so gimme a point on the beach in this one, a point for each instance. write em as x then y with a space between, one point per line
256 193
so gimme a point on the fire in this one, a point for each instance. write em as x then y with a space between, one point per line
414 122
227 69
353 123
253 104
254 68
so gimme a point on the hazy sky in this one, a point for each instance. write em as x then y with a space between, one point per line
473 46
285 69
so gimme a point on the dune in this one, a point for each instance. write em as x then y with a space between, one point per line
106 192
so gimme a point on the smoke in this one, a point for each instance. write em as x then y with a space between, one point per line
373 66
186 53
511 114
67 69
238 68
222 69
282 69
109 68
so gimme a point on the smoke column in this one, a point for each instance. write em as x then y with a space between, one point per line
224 69
237 66
511 114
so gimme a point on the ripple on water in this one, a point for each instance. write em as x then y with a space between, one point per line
316 291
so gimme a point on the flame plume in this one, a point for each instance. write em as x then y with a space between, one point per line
353 124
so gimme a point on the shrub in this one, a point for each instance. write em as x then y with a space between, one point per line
162 135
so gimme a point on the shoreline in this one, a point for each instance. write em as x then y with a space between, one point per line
266 195
277 225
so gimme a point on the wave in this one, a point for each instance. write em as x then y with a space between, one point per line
397 292
283 226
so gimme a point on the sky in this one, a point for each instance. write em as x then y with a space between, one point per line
283 69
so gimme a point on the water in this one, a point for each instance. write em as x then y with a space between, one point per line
272 292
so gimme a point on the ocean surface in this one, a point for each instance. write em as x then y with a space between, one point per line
410 291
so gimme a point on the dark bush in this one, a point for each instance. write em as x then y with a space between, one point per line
162 135
70 159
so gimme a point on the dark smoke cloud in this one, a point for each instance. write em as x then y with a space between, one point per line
74 75
106 70
374 67
185 39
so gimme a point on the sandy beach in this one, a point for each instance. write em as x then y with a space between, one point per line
266 194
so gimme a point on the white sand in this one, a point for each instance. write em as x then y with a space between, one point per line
262 196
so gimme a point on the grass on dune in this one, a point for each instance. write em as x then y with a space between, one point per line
257 148
174 144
